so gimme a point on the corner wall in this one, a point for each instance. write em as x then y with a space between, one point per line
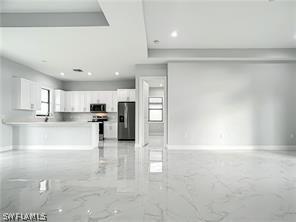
8 70
231 104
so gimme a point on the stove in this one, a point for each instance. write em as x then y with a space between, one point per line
100 118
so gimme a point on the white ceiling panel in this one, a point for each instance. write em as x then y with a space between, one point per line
99 50
31 6
221 24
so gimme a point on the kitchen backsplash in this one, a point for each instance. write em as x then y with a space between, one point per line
112 117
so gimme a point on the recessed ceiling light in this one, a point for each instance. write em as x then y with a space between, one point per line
174 34
117 73
89 73
62 74
160 85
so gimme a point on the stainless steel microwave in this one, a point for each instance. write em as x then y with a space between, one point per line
97 108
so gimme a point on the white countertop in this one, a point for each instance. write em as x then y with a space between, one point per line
56 123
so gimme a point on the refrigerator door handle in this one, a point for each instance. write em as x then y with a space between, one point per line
125 116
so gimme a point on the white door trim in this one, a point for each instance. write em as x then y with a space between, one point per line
140 113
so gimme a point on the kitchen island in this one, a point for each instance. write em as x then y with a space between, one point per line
61 135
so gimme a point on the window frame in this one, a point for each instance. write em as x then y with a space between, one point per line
155 103
48 104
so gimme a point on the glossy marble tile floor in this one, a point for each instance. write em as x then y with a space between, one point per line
120 183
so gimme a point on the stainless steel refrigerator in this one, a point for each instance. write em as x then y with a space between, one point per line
126 120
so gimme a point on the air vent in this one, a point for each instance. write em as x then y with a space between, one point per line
77 70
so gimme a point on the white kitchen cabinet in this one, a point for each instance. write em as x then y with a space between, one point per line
132 95
106 98
126 95
27 94
35 96
86 101
79 101
59 100
95 97
114 101
68 102
110 130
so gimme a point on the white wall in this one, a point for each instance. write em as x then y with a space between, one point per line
228 103
99 85
1 107
156 92
10 69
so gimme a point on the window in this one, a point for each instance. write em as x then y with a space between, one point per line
45 103
155 109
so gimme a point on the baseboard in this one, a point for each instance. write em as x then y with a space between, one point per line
232 147
52 147
6 148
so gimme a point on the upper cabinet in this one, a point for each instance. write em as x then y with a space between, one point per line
59 100
126 95
114 101
79 101
107 98
27 94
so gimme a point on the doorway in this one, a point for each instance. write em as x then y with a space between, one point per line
152 111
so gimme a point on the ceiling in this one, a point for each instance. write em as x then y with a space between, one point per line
155 82
134 25
221 24
26 6
99 50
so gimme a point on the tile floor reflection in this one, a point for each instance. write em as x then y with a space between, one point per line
118 182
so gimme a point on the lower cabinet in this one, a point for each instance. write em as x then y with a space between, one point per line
110 130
